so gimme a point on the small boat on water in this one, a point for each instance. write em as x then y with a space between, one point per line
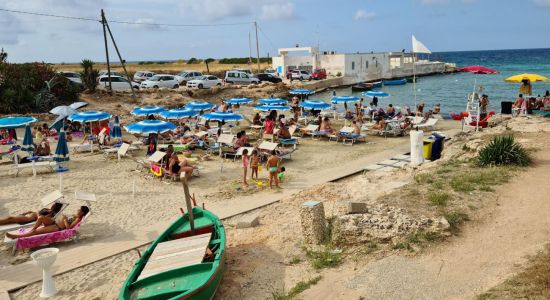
411 79
185 262
376 84
395 82
363 86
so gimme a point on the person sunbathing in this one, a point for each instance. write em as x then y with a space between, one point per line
45 225
283 133
325 126
176 167
32 216
380 124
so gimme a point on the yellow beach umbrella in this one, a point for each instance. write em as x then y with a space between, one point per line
531 77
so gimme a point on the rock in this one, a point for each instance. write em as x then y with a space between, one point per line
443 224
177 97
357 208
312 215
248 221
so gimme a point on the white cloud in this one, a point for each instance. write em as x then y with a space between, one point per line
543 3
278 11
215 10
362 14
146 24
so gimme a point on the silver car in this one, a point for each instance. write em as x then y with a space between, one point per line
239 77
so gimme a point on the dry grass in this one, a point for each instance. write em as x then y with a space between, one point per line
532 283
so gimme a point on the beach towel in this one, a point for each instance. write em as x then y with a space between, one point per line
47 238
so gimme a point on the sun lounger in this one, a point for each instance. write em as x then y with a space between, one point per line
48 165
239 152
87 147
349 138
308 129
429 124
267 147
226 144
46 201
119 151
155 158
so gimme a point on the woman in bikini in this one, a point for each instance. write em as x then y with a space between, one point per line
32 216
45 225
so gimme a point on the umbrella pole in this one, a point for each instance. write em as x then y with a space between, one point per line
188 204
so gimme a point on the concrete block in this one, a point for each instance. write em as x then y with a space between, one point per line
312 216
248 221
357 208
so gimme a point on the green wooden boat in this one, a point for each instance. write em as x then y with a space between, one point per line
176 265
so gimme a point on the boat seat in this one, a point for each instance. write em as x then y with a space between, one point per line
176 254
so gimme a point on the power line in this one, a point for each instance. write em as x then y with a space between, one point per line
268 39
124 22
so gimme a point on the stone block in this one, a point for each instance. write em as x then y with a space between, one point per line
312 216
357 208
248 221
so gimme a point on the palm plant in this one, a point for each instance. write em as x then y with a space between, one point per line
503 150
88 74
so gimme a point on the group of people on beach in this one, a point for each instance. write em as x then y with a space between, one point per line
524 105
272 165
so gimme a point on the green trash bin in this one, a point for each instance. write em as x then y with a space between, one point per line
428 146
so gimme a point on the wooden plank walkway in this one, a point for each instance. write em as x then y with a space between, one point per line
18 276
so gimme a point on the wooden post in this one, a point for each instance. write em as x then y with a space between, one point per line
257 47
188 204
104 22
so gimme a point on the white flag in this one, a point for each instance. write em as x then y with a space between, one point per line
418 47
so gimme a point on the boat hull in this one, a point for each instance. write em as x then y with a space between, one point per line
362 87
395 82
377 84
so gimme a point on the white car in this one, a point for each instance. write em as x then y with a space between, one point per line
72 76
300 75
185 76
140 76
113 73
206 81
118 83
161 80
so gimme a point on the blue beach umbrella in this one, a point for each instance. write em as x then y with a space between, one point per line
28 145
238 101
271 107
199 105
116 132
178 113
222 116
301 92
344 99
314 104
272 101
16 122
62 150
89 116
147 110
150 126
374 93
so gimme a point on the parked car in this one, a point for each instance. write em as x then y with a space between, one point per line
268 77
300 75
113 73
238 77
140 76
206 81
161 80
118 83
72 76
319 74
247 71
185 76
272 72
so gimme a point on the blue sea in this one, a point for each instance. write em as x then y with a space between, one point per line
451 90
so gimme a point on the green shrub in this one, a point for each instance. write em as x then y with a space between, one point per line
455 218
503 150
325 258
438 198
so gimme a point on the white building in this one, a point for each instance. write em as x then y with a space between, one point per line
354 67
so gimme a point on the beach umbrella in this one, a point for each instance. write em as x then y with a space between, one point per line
28 145
178 113
58 123
63 110
272 101
344 99
89 116
150 126
16 122
531 77
271 107
478 70
301 92
373 94
78 105
62 150
148 110
116 132
238 101
199 105
314 104
221 116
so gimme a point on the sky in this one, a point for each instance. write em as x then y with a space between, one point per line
342 26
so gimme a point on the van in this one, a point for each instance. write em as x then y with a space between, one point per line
239 77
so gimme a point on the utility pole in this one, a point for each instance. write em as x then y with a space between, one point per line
257 46
119 56
249 49
104 22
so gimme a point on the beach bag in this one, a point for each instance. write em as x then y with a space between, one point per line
156 170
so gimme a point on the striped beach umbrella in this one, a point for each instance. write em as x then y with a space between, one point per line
178 113
199 105
222 116
116 132
28 145
89 116
374 93
61 151
238 101
315 104
272 101
301 92
344 99
150 126
16 122
271 107
148 110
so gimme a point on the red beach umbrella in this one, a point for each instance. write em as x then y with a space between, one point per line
478 70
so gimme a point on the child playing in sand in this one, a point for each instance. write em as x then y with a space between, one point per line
281 175
254 164
246 162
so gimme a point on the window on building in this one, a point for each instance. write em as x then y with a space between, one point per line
353 65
